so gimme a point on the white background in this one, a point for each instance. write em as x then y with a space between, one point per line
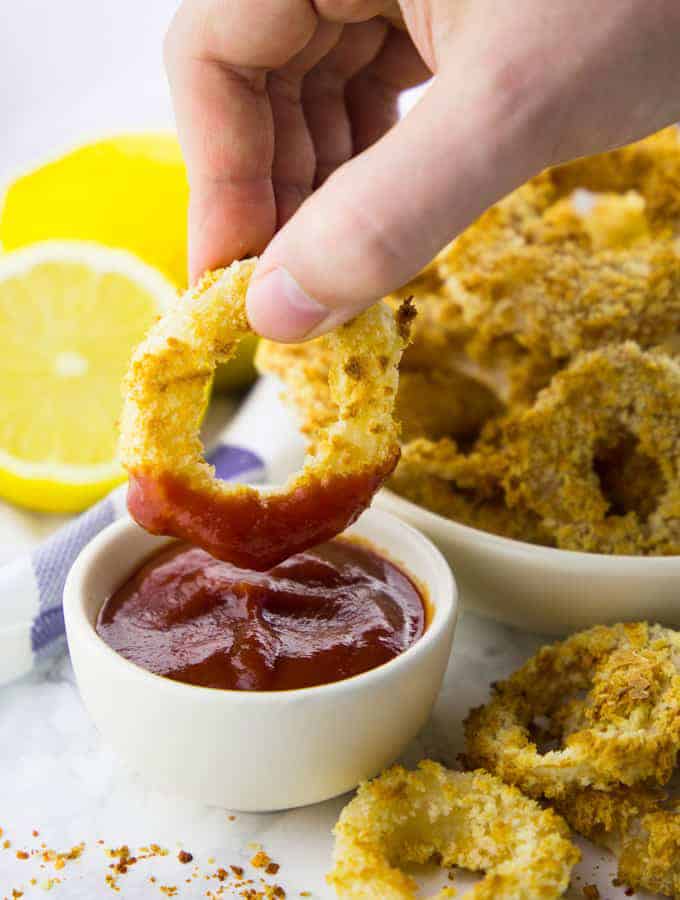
71 70
74 69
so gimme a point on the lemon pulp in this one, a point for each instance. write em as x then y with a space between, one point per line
70 315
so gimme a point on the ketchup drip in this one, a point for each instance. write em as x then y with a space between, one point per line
249 529
321 616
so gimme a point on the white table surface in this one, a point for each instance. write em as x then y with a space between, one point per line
56 776
70 70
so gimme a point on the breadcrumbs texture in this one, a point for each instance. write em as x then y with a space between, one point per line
547 337
471 820
628 729
227 881
552 447
640 825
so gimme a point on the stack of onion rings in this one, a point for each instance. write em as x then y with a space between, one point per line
582 255
639 824
611 696
631 717
583 258
471 820
172 488
553 445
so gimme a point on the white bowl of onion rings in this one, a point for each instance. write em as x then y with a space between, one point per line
258 750
543 589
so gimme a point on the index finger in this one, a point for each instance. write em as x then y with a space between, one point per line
217 54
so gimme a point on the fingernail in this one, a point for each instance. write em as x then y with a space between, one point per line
279 309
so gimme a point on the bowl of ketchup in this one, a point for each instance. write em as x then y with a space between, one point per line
260 690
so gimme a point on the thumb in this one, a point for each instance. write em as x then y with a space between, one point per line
385 214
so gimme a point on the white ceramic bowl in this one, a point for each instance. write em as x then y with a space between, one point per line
543 589
257 751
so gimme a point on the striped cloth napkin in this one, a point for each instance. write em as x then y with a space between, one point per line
259 444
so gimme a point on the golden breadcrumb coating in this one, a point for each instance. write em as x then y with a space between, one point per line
582 255
466 487
628 727
464 819
303 368
640 825
170 374
438 403
432 402
605 395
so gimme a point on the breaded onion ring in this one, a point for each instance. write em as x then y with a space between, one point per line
468 819
465 487
430 403
630 728
582 255
615 391
639 825
172 488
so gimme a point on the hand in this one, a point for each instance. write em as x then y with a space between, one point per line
287 113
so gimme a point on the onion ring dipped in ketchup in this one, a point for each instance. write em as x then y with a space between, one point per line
172 488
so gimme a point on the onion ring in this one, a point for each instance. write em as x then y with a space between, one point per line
618 390
436 396
303 369
172 488
631 714
639 825
430 403
583 255
468 819
465 487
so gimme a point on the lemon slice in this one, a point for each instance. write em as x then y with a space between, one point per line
70 314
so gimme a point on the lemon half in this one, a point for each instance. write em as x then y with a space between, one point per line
129 191
71 313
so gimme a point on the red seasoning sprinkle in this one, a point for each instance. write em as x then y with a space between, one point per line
240 885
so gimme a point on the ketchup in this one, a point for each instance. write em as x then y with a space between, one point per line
249 529
322 615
